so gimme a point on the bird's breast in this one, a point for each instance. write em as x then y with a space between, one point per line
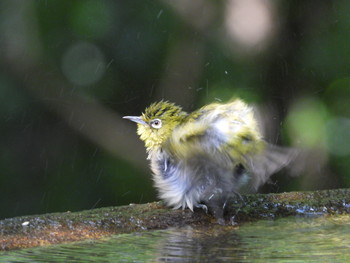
173 182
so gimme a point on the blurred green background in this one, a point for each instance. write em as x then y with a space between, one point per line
71 69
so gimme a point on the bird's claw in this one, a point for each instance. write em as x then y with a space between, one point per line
203 207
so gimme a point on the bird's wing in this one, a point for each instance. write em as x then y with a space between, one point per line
230 130
218 128
272 159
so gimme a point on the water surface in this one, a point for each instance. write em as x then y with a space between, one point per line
323 239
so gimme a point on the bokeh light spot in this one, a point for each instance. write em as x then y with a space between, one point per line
306 123
83 64
338 136
249 22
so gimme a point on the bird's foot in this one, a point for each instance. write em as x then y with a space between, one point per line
203 207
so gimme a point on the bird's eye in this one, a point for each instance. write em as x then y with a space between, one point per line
156 123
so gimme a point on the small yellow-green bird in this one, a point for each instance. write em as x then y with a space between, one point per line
203 158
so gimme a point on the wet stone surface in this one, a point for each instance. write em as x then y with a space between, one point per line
39 230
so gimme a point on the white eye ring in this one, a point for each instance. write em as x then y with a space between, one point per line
156 123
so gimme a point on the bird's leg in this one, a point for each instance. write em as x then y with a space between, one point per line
216 206
218 213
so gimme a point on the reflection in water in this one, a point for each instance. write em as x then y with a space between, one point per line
323 239
199 245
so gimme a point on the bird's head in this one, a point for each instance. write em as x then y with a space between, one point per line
158 121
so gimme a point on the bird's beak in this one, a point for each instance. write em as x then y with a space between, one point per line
136 119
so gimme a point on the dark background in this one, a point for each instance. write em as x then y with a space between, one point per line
71 69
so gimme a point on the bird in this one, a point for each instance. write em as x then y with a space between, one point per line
203 158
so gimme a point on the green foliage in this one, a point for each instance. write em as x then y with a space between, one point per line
127 54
